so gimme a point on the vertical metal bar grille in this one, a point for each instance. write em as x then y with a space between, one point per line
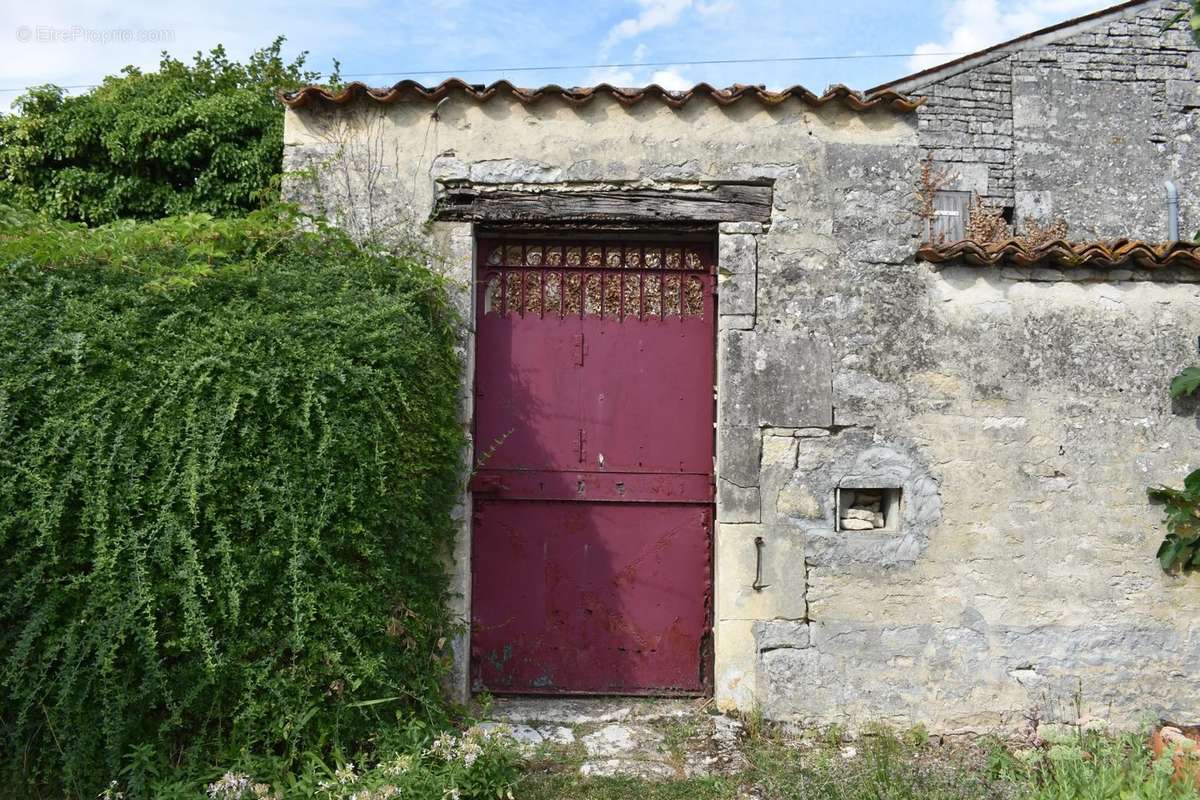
607 280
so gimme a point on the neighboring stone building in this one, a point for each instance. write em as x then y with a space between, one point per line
930 471
1083 120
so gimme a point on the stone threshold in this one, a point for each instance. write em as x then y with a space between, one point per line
650 738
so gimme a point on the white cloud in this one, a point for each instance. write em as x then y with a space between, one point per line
611 75
658 14
671 80
653 14
972 25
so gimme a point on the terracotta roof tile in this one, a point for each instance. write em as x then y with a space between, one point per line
1128 253
578 96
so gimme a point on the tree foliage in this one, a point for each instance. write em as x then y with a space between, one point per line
200 137
1193 18
228 455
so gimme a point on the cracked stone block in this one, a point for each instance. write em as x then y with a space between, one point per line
619 740
778 379
797 501
1183 93
737 503
629 750
741 227
737 265
740 322
773 634
514 170
529 737
739 454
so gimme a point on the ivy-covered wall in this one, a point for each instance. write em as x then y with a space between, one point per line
228 454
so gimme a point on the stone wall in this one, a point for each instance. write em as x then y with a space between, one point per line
1020 414
967 126
1085 124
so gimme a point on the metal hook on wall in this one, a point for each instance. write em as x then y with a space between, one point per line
758 585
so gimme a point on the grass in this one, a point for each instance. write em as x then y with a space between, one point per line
882 765
572 787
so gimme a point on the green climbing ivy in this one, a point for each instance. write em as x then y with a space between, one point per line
1180 549
228 456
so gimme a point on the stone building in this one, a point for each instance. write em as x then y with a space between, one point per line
1083 120
931 459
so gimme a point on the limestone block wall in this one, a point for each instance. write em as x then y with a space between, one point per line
1020 415
967 126
1086 124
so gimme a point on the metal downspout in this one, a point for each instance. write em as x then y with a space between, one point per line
1172 211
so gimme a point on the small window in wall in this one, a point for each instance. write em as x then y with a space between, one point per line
950 212
868 509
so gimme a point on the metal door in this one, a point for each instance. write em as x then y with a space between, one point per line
593 488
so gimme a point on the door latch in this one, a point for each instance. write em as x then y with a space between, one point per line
758 585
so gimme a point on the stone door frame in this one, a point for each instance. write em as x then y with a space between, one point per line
738 213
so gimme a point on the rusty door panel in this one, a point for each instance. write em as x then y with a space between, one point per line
645 394
594 480
525 394
590 597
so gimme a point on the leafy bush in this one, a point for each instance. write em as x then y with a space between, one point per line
1186 382
199 137
228 453
1180 548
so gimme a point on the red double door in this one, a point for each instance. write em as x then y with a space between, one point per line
593 488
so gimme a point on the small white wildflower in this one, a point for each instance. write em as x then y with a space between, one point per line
231 786
398 766
444 747
450 794
346 773
470 750
111 792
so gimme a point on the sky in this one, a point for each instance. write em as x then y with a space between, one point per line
626 42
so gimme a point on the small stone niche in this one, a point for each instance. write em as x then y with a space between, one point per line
868 509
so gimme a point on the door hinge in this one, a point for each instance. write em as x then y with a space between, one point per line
582 445
578 345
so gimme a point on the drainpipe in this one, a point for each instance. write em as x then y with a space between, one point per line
1172 211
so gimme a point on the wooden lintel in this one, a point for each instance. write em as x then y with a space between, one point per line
721 203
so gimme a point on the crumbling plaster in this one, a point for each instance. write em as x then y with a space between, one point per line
1021 414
